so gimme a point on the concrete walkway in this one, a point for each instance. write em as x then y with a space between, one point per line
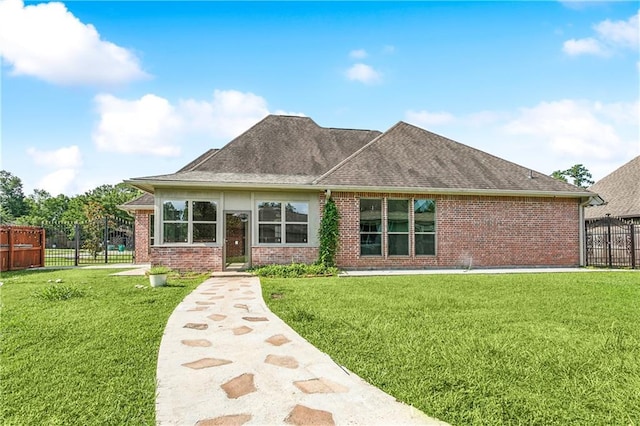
225 359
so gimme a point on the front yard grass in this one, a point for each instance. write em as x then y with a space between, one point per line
482 349
82 351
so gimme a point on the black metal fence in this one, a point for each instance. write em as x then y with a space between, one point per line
102 241
612 243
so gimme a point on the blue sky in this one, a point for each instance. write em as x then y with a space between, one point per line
98 92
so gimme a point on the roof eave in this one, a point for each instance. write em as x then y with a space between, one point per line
151 185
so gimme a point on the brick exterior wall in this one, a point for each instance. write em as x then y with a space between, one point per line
475 231
188 258
142 236
283 255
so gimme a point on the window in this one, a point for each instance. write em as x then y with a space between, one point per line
185 221
152 230
274 216
398 227
399 234
424 219
370 227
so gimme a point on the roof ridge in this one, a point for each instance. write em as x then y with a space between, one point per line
337 166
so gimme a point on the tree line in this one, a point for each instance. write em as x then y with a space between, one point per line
42 207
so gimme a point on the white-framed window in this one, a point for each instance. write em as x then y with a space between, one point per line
189 221
283 222
398 227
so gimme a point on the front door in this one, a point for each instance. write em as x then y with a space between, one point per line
236 240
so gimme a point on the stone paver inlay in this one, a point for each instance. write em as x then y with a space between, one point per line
277 340
320 385
239 386
196 326
206 363
255 319
301 415
282 361
232 420
217 317
238 331
202 343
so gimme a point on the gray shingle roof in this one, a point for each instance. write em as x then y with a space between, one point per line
410 157
144 200
620 190
284 145
282 151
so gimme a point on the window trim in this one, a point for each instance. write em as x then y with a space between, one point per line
283 222
190 222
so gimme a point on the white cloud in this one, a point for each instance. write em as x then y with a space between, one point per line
358 54
146 125
364 74
63 165
622 33
569 127
610 36
583 46
61 181
152 125
48 42
65 157
426 118
548 136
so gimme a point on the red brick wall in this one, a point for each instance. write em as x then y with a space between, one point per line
283 255
142 236
475 230
188 258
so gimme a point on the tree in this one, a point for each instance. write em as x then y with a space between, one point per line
111 196
45 208
11 195
578 173
93 230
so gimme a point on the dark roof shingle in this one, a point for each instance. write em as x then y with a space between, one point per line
286 145
407 156
620 190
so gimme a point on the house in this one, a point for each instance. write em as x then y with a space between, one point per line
621 190
407 198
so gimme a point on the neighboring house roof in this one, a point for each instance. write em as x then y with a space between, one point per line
621 192
143 202
295 153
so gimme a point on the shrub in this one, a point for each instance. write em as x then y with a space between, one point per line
159 270
329 234
295 270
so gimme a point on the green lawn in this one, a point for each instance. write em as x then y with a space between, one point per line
482 349
83 351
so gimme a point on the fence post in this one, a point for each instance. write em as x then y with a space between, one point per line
609 253
77 244
105 242
10 258
633 246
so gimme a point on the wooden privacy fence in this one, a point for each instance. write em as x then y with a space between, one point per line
21 247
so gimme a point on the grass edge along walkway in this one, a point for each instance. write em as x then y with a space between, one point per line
482 349
82 351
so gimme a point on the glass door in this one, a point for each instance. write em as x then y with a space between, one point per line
236 240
